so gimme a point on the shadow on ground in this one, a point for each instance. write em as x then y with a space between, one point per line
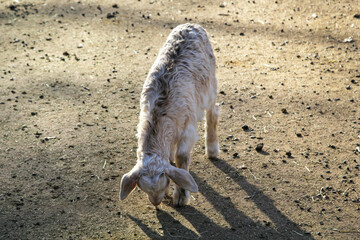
240 224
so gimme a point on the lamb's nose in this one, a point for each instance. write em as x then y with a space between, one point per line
155 202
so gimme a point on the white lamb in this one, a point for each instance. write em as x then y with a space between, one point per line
180 86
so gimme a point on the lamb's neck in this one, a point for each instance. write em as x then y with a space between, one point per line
156 142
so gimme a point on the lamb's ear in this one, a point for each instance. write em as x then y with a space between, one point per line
182 178
128 182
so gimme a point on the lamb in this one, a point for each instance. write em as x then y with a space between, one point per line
179 88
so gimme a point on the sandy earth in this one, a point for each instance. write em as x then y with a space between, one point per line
71 73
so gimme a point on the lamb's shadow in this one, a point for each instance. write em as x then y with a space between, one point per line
238 225
283 225
171 227
205 227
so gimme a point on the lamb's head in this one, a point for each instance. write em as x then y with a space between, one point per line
153 177
155 186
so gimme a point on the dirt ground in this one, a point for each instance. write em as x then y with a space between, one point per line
71 73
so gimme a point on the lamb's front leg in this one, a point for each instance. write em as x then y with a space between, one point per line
172 162
181 197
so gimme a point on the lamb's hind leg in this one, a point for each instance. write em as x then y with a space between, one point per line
211 139
181 197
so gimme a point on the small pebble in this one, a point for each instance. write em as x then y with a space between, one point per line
348 40
259 147
245 127
242 167
110 15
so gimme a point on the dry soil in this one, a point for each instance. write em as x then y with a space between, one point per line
71 73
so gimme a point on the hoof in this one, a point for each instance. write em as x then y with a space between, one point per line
212 150
181 197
